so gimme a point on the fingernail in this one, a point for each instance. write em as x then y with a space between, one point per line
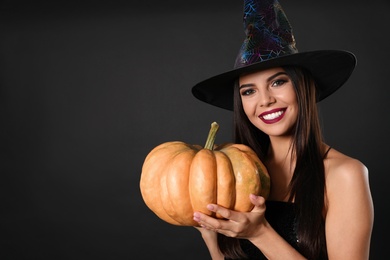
196 217
210 207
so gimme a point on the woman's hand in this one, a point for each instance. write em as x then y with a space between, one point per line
248 225
236 224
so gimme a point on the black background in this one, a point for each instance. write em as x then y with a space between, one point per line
88 88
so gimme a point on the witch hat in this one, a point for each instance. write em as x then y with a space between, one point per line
270 43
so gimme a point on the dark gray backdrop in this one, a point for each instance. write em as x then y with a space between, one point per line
88 88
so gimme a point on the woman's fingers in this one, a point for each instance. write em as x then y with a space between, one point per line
224 212
206 221
234 222
259 203
224 226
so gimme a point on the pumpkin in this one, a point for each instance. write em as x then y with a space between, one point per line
178 179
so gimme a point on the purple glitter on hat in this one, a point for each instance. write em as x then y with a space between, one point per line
268 33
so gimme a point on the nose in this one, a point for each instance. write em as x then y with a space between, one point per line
266 98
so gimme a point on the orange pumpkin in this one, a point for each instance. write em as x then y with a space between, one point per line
178 179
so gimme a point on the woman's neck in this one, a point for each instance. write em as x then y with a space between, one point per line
280 149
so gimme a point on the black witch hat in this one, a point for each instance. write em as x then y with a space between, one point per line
270 43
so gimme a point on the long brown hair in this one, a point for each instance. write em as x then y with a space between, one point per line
307 186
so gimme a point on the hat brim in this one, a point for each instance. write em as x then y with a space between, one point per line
330 69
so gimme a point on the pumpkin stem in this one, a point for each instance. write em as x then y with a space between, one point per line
211 137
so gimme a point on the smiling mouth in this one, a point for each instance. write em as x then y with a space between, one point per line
272 116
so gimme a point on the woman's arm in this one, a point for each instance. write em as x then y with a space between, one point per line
350 213
210 239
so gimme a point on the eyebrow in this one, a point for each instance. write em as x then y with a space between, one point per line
268 79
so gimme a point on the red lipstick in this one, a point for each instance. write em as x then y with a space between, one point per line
272 116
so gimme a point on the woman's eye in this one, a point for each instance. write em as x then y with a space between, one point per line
278 82
247 92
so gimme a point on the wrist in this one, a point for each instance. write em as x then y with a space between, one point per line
263 234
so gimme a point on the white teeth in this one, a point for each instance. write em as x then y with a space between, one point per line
273 115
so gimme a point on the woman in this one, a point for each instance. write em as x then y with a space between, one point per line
320 205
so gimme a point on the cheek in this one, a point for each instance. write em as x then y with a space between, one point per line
291 96
249 107
250 112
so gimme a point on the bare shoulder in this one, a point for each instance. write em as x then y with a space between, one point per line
339 166
345 176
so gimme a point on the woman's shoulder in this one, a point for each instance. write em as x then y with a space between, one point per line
339 165
344 175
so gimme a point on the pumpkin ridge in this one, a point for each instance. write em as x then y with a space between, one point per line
166 202
177 183
246 176
203 181
160 148
149 180
262 170
226 193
